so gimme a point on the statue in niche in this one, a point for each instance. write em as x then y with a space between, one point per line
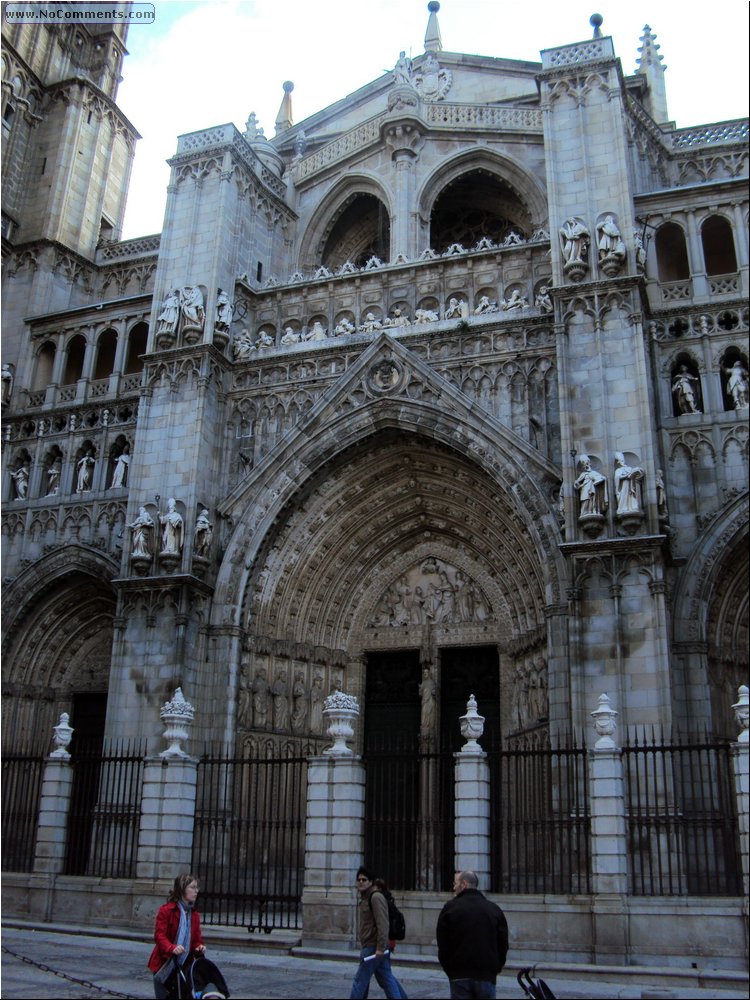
516 301
462 598
400 609
479 607
300 144
223 312
684 387
299 702
166 321
260 691
371 324
447 599
457 309
53 478
204 532
242 346
661 496
402 71
142 528
265 341
543 301
609 238
628 485
425 316
243 699
192 308
640 251
120 472
21 481
85 469
316 704
344 327
280 696
737 388
486 305
428 695
172 529
7 378
520 698
574 241
290 337
318 332
592 490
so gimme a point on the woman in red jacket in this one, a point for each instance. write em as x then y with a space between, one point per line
177 932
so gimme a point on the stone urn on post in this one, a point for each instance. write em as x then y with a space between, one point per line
472 727
742 712
340 710
177 715
61 737
605 724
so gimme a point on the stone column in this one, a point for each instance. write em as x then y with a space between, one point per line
472 785
54 804
742 783
334 831
165 836
609 842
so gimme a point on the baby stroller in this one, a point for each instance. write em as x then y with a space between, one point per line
535 989
197 980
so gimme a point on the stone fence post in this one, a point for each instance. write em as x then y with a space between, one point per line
472 809
334 831
54 804
742 783
165 837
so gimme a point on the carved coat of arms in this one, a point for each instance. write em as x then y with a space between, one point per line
432 82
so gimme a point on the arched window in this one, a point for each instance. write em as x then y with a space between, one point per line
671 253
74 361
105 354
718 246
137 340
45 363
361 231
473 206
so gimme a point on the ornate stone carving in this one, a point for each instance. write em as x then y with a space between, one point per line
574 242
605 723
472 727
628 493
611 249
178 715
432 592
341 710
593 496
431 81
62 735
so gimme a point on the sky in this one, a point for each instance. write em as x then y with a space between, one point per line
209 62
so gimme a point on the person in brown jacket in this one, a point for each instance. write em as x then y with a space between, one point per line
374 956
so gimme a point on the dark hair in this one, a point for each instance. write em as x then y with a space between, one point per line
366 872
180 885
379 883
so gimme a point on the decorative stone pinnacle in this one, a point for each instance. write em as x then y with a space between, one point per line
596 21
605 723
177 714
742 713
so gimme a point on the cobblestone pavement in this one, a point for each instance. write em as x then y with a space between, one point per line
117 966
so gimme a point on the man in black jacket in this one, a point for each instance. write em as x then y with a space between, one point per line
472 938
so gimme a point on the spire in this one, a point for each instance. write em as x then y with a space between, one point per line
432 40
284 119
596 21
651 65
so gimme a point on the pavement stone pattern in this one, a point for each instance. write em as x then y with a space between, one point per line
115 964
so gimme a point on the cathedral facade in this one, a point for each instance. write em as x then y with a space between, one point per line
442 391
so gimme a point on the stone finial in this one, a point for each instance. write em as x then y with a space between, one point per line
596 21
285 119
177 715
341 710
432 40
605 723
62 734
472 727
651 65
742 713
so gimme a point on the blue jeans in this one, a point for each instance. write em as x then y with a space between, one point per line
472 989
381 969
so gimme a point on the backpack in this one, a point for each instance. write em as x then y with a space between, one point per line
396 922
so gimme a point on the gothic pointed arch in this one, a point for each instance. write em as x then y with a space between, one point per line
352 221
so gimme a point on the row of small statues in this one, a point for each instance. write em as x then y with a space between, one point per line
529 699
84 474
172 533
686 388
184 309
279 706
434 602
593 490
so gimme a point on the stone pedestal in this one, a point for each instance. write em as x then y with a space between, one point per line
165 837
334 846
609 855
741 750
472 815
54 804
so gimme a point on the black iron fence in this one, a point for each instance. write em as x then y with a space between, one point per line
249 840
682 819
105 811
22 787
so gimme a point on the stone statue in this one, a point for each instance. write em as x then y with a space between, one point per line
53 478
279 692
456 309
543 301
192 308
371 323
428 692
242 346
204 532
223 312
574 241
426 316
683 389
316 704
142 528
516 301
21 481
260 698
592 490
265 341
344 327
290 337
318 332
628 484
609 238
120 472
299 702
243 699
640 251
661 496
402 71
7 378
172 531
737 385
485 305
85 469
166 322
